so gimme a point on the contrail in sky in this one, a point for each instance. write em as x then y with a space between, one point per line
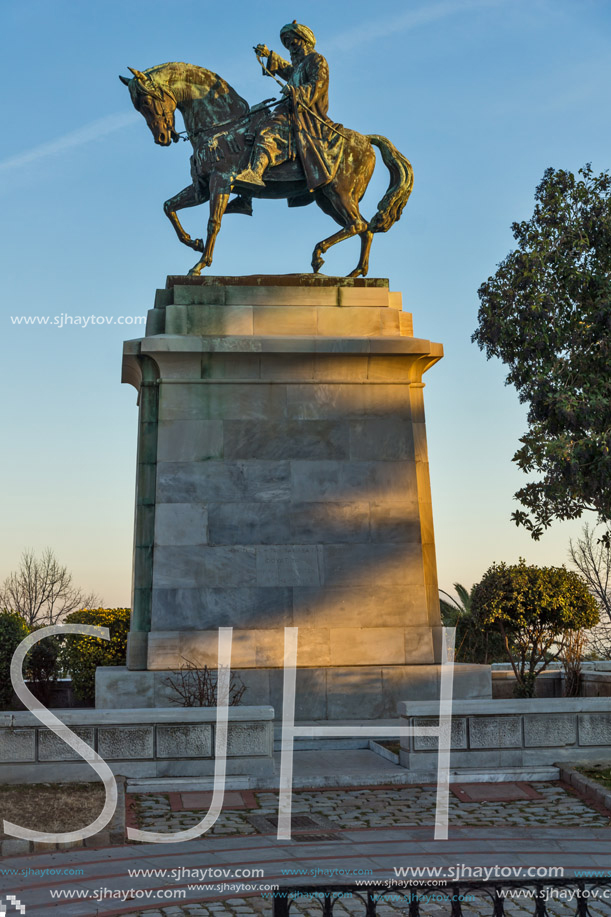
410 19
92 131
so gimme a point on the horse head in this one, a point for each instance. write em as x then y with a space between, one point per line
156 103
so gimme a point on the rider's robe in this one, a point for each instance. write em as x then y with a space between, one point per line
319 147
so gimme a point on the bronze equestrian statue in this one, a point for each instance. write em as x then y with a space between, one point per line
287 149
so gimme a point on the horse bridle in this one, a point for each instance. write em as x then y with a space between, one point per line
158 95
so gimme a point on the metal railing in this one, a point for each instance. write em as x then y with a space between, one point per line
569 897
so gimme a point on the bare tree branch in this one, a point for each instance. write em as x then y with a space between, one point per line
41 590
592 557
599 641
198 687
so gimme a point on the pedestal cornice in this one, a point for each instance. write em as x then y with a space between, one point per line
283 314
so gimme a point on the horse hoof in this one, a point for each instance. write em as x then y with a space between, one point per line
317 263
195 271
358 272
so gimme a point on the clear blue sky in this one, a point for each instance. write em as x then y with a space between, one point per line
481 95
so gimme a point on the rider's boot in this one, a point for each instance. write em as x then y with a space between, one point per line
240 204
253 174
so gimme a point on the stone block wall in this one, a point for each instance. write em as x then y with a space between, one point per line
595 682
326 692
167 742
548 684
497 734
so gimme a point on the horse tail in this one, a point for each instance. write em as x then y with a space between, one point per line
400 187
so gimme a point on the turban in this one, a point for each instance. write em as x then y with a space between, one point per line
301 31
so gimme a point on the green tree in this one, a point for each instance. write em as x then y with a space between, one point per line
473 643
547 314
535 610
13 629
451 609
81 655
42 665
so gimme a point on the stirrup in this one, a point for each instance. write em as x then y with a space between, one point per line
248 177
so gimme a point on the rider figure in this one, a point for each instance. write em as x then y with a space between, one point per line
298 127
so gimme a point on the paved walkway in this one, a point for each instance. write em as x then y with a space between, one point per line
395 806
369 833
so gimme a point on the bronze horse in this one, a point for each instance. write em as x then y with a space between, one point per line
221 127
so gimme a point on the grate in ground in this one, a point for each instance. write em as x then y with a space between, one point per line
297 821
494 792
268 824
314 838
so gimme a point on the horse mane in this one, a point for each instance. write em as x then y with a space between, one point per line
199 75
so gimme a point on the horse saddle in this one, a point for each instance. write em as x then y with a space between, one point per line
225 145
291 171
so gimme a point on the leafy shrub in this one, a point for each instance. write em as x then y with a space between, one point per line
81 655
477 644
42 665
536 610
473 643
12 631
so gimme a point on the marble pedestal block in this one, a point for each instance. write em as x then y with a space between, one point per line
283 479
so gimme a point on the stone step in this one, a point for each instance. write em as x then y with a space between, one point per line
321 744
339 743
315 769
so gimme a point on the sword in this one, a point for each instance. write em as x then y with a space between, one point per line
267 72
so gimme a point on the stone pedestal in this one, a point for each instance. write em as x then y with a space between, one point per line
283 481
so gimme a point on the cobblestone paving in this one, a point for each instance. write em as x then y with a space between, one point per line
379 808
376 808
153 813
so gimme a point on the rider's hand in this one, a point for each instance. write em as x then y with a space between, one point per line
285 91
262 50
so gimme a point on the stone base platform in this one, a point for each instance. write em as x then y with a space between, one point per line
283 481
345 692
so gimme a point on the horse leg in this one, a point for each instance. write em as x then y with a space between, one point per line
346 213
188 197
362 267
220 189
